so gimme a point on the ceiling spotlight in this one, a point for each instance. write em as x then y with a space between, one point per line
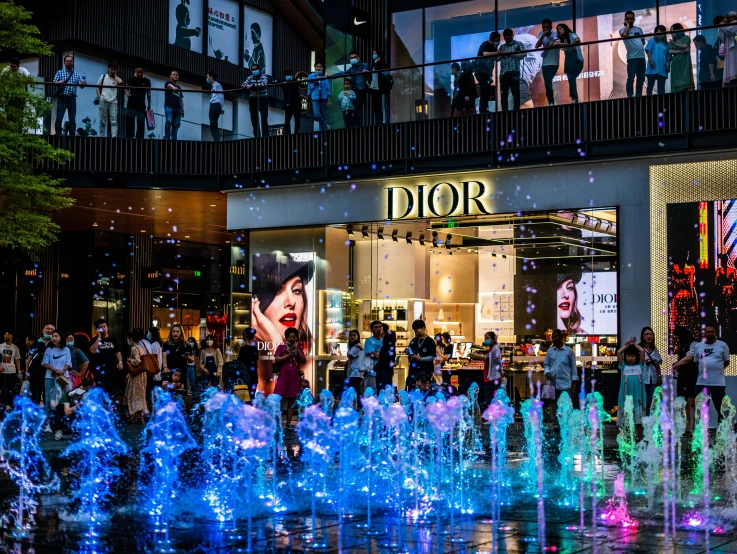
504 256
422 240
350 229
409 237
435 239
447 241
493 254
364 231
394 235
380 233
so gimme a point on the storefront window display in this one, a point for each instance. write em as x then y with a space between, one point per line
514 275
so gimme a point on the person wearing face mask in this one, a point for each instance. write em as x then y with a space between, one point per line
318 91
211 362
288 359
358 73
9 370
292 103
57 360
79 361
217 99
258 101
494 372
151 344
135 387
35 372
381 84
484 70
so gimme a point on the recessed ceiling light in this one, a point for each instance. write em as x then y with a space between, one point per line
94 224
186 236
143 230
213 205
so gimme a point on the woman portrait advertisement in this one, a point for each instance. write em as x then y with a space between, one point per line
280 302
568 315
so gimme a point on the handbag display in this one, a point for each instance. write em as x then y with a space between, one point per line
150 362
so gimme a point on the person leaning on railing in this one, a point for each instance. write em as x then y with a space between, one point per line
484 70
318 91
258 101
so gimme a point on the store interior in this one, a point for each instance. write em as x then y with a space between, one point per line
464 276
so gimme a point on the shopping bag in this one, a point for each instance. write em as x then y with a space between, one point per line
150 120
241 391
548 392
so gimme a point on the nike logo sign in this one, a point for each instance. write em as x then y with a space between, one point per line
357 22
59 356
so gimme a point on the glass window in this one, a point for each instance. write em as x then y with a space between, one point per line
452 32
606 64
526 22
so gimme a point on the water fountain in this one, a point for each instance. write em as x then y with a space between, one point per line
318 440
167 439
327 402
21 457
401 463
95 457
395 418
499 414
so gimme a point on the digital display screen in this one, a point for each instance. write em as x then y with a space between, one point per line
702 241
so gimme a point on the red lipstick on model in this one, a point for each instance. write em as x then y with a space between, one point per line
565 305
289 320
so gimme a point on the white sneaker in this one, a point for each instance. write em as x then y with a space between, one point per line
58 436
48 428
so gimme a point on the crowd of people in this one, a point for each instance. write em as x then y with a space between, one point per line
57 369
650 63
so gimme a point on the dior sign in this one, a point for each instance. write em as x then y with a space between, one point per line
439 200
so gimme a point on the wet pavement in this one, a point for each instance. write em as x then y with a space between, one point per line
130 531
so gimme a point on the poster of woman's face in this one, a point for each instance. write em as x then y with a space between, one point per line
280 301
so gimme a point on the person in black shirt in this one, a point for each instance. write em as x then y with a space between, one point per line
384 367
36 373
173 106
448 352
248 356
464 95
106 361
421 353
292 103
544 346
707 64
138 99
177 354
484 69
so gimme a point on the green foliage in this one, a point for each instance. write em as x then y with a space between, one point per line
28 198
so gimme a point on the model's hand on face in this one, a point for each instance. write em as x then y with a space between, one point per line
266 331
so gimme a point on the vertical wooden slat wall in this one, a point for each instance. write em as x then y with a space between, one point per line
140 299
46 297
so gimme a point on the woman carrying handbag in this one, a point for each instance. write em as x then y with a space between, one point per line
135 387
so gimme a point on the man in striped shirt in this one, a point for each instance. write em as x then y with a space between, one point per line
66 101
258 101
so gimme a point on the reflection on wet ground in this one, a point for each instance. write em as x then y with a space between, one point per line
191 532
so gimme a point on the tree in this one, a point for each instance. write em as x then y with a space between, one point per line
28 198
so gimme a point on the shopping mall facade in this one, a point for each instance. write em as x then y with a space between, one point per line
599 218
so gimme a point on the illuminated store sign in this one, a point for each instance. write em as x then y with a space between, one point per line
439 200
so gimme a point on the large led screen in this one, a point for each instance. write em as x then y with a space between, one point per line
701 259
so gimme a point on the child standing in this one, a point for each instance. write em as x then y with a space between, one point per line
347 104
631 358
